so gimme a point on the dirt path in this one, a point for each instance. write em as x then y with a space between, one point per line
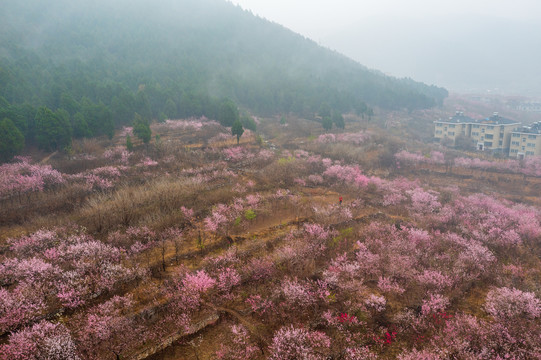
46 159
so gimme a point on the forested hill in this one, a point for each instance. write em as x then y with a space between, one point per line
175 58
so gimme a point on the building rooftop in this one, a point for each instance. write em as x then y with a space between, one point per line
459 118
534 128
496 119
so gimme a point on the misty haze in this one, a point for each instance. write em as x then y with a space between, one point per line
256 179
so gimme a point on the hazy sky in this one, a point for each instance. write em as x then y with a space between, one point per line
409 38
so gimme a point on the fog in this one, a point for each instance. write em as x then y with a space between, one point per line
466 46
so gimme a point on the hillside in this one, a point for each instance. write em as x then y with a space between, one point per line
174 59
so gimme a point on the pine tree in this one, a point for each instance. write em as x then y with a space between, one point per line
129 144
338 120
141 128
237 129
327 123
11 140
53 130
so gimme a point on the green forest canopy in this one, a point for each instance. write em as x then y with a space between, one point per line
103 61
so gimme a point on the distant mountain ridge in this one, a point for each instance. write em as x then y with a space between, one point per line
181 48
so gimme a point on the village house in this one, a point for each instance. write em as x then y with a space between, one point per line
526 141
492 133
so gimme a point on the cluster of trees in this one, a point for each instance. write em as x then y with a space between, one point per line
528 167
25 124
334 117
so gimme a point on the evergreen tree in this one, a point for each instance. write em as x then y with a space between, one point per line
11 140
248 123
141 128
53 130
229 113
80 127
142 106
338 120
129 144
324 110
98 117
123 108
237 129
327 123
170 109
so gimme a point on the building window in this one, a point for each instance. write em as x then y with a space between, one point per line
500 143
531 137
531 145
451 126
488 143
529 152
515 143
523 139
489 136
475 126
451 133
483 130
516 135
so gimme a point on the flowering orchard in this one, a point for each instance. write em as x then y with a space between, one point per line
168 238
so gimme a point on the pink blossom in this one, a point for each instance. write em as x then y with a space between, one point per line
98 183
260 268
375 302
507 303
297 343
326 138
388 285
22 177
409 158
38 241
18 306
436 303
260 305
359 353
236 153
227 279
265 154
434 279
423 202
188 213
241 347
185 125
297 294
299 181
315 179
316 231
199 281
147 162
43 340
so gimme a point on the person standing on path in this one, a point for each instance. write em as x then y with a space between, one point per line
340 200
